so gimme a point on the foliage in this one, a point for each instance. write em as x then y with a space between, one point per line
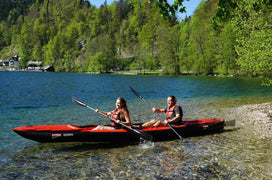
169 11
169 48
254 37
226 37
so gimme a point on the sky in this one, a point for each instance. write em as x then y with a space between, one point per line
190 6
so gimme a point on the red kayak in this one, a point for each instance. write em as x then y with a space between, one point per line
73 133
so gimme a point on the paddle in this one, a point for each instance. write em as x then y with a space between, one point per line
139 133
137 94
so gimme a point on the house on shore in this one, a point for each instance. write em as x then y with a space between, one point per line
12 64
4 65
37 66
47 69
34 65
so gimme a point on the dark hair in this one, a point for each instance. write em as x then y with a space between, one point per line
123 102
124 107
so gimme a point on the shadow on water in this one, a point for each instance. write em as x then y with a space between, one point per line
90 146
79 147
232 129
72 147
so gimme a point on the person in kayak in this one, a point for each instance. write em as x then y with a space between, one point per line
120 114
173 112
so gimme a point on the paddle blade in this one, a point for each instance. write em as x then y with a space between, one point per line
143 135
230 123
78 102
135 92
175 132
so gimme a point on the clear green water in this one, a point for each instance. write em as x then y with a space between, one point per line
29 98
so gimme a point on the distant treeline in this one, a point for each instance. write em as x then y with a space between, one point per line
226 37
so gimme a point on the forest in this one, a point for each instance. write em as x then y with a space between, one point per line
223 37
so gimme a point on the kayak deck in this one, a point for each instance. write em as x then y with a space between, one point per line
74 133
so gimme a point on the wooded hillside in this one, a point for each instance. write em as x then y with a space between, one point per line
225 37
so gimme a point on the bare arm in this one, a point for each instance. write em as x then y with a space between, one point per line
158 110
105 113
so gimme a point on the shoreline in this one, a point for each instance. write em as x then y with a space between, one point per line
256 117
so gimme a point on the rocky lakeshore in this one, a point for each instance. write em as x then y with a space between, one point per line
257 117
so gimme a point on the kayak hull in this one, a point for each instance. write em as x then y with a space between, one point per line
73 133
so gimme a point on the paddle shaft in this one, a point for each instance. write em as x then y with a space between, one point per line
137 94
142 134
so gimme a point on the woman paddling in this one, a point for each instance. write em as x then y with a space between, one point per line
119 114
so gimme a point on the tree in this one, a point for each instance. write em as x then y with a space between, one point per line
168 47
254 37
97 63
147 37
169 11
228 63
186 49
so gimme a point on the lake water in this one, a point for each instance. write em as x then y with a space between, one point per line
34 98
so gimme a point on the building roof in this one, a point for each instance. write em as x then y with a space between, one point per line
37 63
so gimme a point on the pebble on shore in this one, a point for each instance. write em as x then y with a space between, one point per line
257 117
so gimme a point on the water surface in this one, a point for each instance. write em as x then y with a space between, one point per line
31 98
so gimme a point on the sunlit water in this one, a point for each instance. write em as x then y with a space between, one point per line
28 98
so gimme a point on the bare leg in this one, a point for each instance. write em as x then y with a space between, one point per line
97 127
158 123
108 127
100 127
150 123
